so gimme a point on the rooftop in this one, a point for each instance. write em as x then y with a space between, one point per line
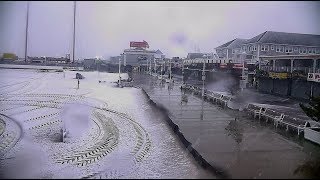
233 44
286 38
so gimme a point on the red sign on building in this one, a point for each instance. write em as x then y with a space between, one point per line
238 66
223 65
142 44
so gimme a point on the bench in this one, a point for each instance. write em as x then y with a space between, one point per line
299 124
209 96
275 116
225 100
261 111
215 97
252 109
197 90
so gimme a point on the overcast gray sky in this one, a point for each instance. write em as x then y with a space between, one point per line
106 28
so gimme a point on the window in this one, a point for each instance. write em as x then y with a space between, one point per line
233 51
255 47
313 50
266 47
318 51
303 50
296 49
277 48
263 48
310 50
245 48
281 48
272 47
288 49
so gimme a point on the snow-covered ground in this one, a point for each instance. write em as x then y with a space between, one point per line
113 132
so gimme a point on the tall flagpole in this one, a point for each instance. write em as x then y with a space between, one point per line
74 28
27 25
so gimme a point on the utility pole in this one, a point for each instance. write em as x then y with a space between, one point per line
27 25
74 28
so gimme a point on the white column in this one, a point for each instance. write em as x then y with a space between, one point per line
291 65
314 65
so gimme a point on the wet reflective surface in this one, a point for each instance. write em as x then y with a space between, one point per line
243 147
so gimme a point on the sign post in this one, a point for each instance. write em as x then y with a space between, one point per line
313 77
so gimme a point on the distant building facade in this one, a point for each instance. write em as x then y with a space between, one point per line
272 43
231 51
138 54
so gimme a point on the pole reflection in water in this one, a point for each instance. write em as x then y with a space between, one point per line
235 130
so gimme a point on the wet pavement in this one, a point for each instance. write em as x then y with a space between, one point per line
244 148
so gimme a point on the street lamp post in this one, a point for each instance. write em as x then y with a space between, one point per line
243 76
242 81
